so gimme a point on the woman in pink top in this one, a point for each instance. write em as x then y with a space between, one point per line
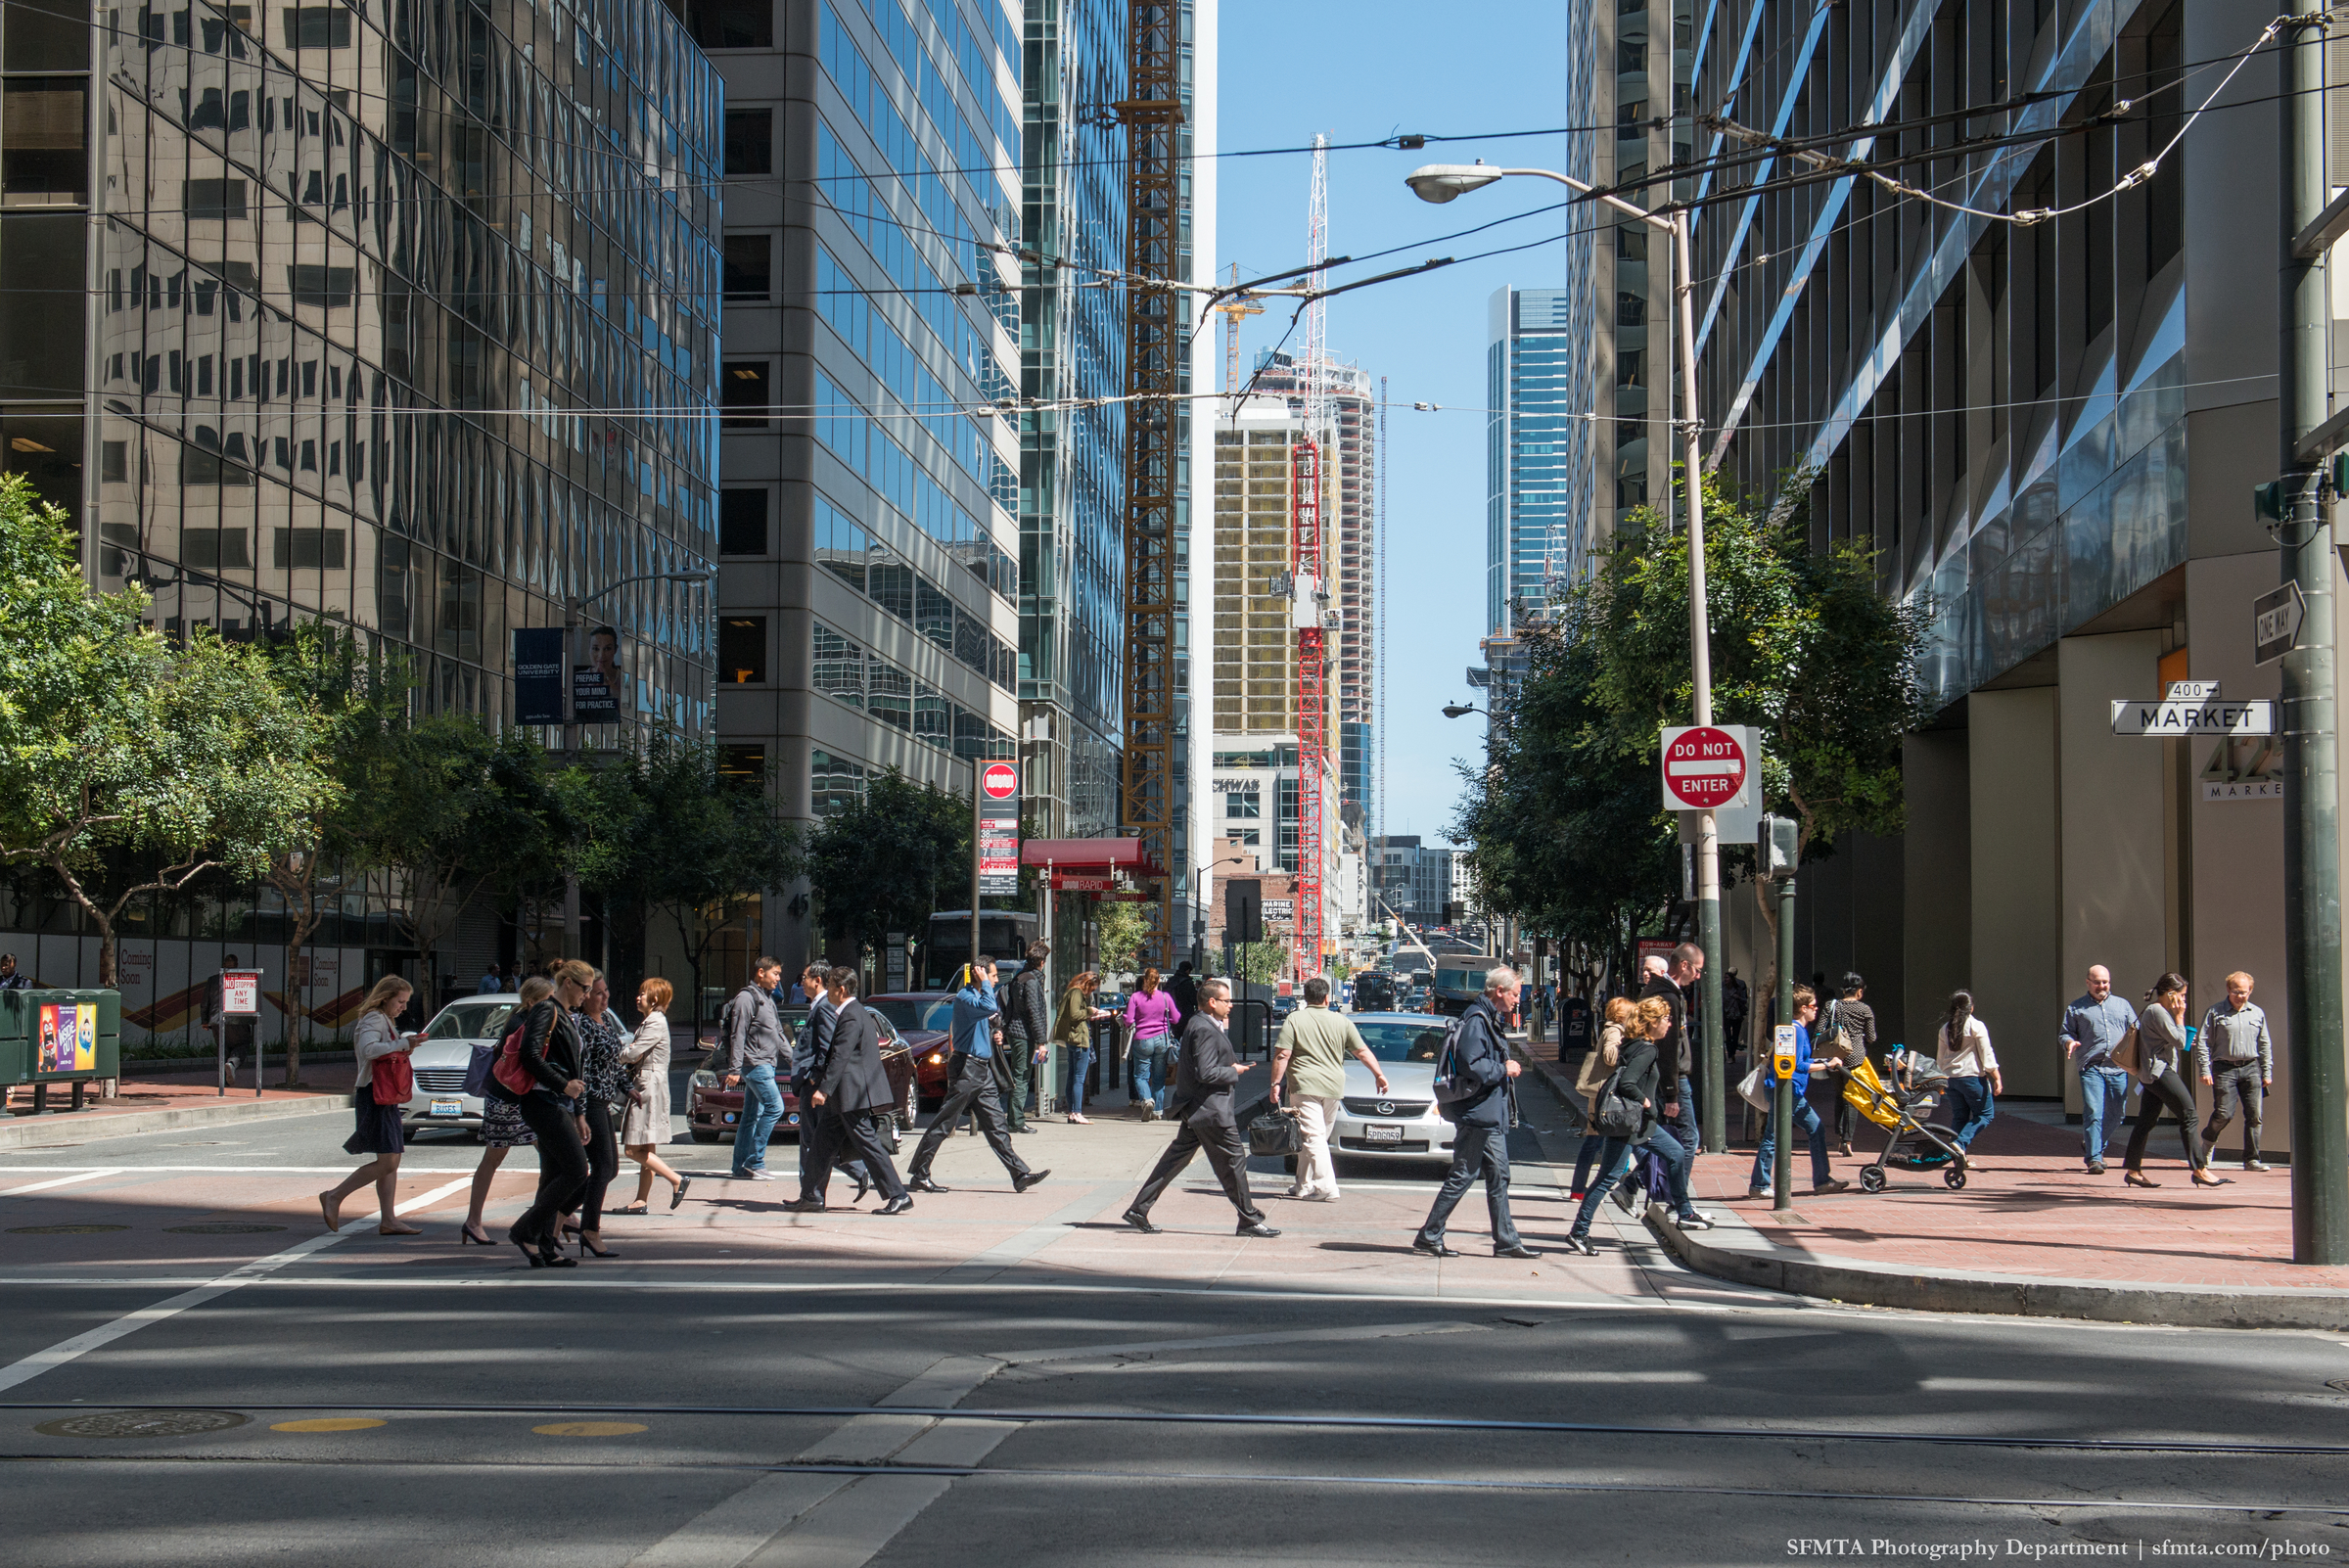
1151 1022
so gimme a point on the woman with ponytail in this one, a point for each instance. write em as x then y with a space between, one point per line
1972 1067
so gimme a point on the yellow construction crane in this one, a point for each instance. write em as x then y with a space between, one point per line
1236 309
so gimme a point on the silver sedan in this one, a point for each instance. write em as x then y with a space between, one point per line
1402 1124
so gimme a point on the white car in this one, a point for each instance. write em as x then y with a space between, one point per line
1401 1124
439 1060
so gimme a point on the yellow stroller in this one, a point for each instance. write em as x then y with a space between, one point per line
1901 1110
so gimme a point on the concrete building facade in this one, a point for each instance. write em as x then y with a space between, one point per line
2048 433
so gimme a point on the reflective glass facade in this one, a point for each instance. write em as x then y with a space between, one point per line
399 315
870 568
1072 469
1537 450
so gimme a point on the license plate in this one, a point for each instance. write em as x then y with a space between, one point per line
448 1108
1377 1133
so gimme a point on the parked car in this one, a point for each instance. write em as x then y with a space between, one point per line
1402 1124
925 1018
442 1057
713 1111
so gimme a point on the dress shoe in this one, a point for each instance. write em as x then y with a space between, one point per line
897 1205
805 1206
1257 1228
864 1184
1434 1249
2096 1168
1141 1221
922 1183
1521 1250
1034 1179
1822 1188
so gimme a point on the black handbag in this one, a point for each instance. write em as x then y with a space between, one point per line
1274 1131
1615 1114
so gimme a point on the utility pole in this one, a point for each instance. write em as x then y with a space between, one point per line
1712 1080
2312 918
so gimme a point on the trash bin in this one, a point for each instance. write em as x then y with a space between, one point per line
15 1035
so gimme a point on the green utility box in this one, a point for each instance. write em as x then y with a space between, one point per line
59 1036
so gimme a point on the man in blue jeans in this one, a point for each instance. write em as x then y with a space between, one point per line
750 1037
1762 1184
2092 1027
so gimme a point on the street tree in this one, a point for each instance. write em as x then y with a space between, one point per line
361 698
131 766
1120 929
1804 647
455 813
890 860
664 832
1257 963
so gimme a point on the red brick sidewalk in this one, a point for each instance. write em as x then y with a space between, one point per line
155 1086
2030 1207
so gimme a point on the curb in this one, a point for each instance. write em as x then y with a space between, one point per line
32 1130
1735 1251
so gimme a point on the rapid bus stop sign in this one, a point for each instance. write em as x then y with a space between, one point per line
1704 768
998 830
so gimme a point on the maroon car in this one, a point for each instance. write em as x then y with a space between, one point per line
925 1018
713 1111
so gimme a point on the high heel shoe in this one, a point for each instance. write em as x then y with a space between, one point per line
2203 1178
2137 1179
468 1236
588 1249
529 1249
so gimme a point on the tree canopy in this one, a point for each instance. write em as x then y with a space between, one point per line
1567 825
131 764
888 862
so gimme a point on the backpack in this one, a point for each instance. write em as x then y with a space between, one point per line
1452 1095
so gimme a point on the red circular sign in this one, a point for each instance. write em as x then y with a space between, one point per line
1002 782
1703 767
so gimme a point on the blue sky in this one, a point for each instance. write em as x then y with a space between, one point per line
1358 72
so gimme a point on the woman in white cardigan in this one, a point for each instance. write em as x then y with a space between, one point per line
646 1125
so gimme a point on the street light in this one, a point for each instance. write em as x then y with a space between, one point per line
1455 709
1445 182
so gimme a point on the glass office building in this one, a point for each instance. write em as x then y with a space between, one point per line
396 316
1072 460
402 318
870 551
1537 450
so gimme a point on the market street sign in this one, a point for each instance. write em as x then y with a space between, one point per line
2165 719
2275 617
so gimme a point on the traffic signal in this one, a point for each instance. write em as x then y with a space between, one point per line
2269 500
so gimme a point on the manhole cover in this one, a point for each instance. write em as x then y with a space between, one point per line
224 1228
61 1230
142 1423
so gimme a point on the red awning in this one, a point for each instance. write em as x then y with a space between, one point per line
1097 856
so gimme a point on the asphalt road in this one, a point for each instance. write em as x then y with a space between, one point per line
749 1386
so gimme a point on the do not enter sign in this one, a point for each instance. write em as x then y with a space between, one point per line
1001 780
1704 768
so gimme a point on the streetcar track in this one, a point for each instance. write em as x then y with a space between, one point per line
1405 1423
1062 1473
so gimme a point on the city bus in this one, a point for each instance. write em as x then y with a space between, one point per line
1004 936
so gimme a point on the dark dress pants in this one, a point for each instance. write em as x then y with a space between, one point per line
1477 1149
563 1170
811 1120
973 1089
603 1163
1226 1155
851 1144
2166 1092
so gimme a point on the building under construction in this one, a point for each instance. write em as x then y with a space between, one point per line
1350 398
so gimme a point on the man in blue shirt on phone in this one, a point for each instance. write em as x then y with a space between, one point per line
971 1085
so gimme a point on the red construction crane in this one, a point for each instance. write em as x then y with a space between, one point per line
1313 700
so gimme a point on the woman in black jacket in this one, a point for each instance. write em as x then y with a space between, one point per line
550 1057
1635 1078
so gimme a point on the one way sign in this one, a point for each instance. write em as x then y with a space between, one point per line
2276 619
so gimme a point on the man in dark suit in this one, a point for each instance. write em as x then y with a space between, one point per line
1205 1075
810 1052
1479 1066
1027 1027
839 1110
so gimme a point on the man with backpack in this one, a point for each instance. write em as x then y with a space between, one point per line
1472 1084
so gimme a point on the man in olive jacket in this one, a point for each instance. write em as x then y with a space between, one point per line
854 1084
